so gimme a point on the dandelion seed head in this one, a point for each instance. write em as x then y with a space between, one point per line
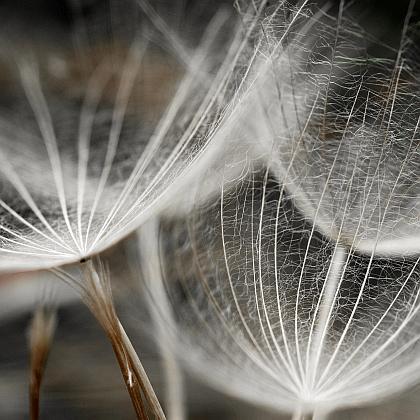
84 163
299 288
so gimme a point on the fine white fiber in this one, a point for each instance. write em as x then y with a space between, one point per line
269 162
299 288
83 167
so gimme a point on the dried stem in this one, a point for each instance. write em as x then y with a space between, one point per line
98 296
41 333
140 373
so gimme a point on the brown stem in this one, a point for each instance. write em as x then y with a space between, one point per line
134 391
98 297
41 333
148 390
34 388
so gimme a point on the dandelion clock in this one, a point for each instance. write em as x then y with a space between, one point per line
298 290
94 140
352 163
267 309
89 151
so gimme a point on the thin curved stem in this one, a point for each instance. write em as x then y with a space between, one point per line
98 297
97 294
41 334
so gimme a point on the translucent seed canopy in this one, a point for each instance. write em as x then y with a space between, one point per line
92 147
341 133
299 289
270 310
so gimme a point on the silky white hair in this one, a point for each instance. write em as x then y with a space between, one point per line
299 288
